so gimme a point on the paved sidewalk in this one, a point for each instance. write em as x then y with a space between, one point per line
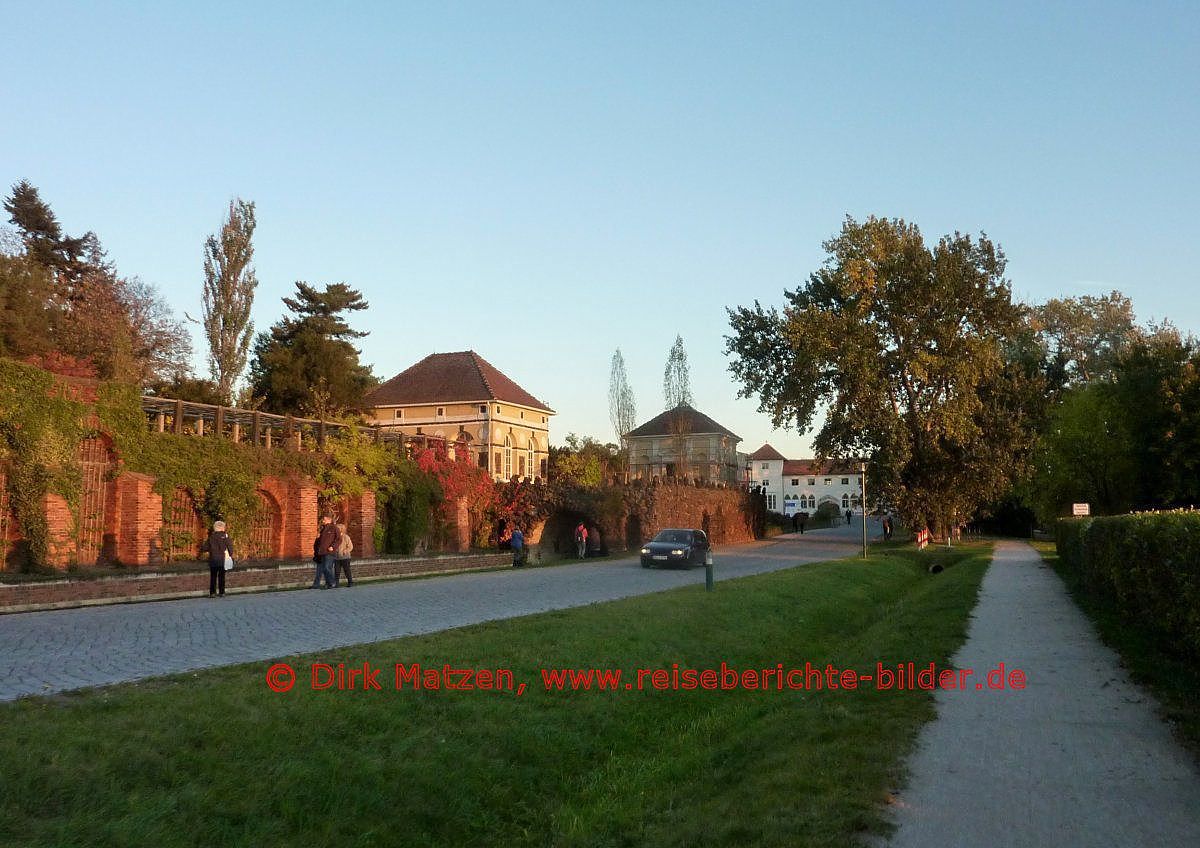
54 651
1077 759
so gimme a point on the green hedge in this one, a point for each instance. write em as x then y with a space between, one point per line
1147 564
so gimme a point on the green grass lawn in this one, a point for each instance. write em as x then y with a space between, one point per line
1171 676
217 759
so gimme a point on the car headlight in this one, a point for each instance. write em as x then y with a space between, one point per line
645 550
677 552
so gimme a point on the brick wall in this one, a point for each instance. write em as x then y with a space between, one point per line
19 597
722 513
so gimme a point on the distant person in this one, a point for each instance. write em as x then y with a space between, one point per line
325 552
803 516
341 562
218 547
887 528
517 542
848 516
795 521
581 535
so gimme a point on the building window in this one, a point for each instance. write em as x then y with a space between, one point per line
497 409
845 501
771 502
812 481
766 466
522 413
845 481
508 457
399 413
828 481
543 467
483 409
529 454
521 466
543 419
483 459
441 411
795 481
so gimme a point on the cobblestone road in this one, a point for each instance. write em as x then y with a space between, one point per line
54 651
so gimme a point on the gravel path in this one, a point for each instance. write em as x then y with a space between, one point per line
1079 758
54 651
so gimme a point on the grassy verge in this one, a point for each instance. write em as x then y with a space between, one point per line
1171 677
215 758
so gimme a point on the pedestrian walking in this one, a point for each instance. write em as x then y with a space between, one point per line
517 542
795 521
887 528
341 563
848 515
324 552
581 535
803 520
220 558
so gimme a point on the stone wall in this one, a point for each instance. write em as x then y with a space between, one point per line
190 582
722 513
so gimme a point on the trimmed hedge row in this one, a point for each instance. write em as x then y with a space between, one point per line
1148 564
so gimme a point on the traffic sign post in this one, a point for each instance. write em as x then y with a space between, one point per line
1081 509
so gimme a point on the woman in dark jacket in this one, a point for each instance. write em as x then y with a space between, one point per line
216 546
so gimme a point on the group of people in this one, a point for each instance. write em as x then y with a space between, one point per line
331 554
520 551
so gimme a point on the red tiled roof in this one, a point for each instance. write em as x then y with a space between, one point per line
812 468
767 452
693 423
450 377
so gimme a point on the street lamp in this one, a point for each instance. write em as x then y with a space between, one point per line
862 467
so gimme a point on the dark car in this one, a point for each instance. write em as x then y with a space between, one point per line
676 547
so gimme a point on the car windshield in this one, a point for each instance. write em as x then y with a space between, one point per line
675 537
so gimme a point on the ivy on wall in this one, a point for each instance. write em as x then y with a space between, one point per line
41 428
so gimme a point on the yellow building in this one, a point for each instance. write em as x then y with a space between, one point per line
462 397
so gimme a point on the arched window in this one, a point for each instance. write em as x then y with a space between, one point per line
508 457
845 501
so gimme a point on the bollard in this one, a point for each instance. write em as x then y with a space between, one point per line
708 571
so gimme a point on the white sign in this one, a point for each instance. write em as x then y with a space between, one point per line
1081 509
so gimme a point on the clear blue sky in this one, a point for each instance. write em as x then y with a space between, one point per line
546 182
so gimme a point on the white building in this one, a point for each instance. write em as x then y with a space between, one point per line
802 485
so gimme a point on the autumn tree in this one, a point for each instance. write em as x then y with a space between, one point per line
622 409
68 308
229 284
917 355
307 363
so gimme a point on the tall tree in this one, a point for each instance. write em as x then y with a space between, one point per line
45 242
229 284
677 380
1083 336
914 351
622 409
307 364
67 308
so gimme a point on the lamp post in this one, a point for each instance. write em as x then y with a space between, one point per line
862 467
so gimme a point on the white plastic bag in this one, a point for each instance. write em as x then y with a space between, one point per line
228 562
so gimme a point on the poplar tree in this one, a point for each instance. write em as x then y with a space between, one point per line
229 284
918 356
622 409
